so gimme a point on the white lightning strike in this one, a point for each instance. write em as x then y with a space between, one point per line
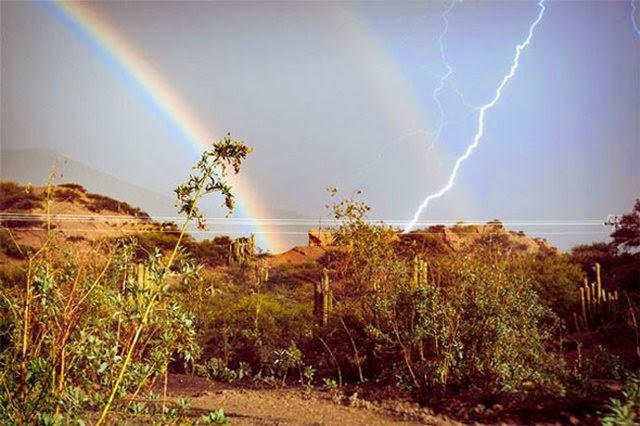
443 82
483 109
633 17
445 76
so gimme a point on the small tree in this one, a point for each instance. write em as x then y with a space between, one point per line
626 236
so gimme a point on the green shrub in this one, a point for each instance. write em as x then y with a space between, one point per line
87 329
455 322
149 242
213 252
294 276
216 417
555 278
479 325
77 330
248 328
626 410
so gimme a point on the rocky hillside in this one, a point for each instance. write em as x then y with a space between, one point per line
461 239
78 215
26 212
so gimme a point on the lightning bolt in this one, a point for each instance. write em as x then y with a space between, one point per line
446 75
480 132
443 81
633 17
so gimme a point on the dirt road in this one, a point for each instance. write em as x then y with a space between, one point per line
295 407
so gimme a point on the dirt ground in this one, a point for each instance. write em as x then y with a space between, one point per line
295 406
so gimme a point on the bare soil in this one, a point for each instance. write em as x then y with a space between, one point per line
295 406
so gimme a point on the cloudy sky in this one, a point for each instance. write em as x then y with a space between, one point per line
341 94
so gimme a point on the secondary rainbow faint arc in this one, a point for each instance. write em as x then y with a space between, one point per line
79 17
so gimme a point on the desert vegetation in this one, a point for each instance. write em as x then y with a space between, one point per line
479 323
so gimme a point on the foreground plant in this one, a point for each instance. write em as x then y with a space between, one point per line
86 328
211 171
435 323
626 410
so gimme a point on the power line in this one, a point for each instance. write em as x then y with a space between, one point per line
86 218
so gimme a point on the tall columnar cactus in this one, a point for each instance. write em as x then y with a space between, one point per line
262 273
143 275
323 299
242 250
251 244
420 272
596 304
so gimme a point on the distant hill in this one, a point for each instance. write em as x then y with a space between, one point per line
33 166
76 215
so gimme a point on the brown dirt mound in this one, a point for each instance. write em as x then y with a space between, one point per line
300 254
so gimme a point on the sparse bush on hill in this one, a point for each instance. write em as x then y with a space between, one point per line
626 236
10 247
68 195
17 198
98 203
73 186
149 242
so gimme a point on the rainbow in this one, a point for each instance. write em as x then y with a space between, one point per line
164 101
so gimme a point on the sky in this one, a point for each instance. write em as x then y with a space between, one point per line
341 94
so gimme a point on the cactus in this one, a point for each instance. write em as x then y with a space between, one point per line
262 273
596 303
142 272
420 273
242 250
323 299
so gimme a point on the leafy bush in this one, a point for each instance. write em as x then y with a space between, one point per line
554 278
72 334
86 329
426 243
213 252
455 322
294 276
479 325
215 418
626 410
247 327
149 242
